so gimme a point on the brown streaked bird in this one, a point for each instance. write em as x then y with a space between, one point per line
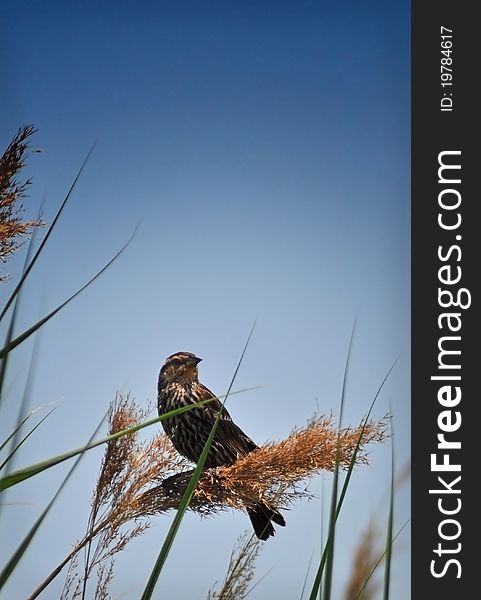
178 386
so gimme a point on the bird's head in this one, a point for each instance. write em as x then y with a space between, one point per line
180 367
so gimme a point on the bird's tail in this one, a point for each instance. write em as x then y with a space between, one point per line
261 517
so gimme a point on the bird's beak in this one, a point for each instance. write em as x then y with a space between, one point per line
193 362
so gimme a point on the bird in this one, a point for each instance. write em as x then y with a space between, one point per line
179 385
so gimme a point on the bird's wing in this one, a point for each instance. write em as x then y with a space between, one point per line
228 433
212 408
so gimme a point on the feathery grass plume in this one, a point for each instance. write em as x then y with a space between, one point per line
361 586
275 474
240 571
129 466
12 228
140 479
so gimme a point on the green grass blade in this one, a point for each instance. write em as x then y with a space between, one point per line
21 549
8 341
21 338
17 445
13 317
326 592
27 472
306 576
322 532
347 480
378 562
358 443
30 264
389 528
259 581
186 498
329 547
22 410
189 492
17 428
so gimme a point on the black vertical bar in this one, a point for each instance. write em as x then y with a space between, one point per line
445 131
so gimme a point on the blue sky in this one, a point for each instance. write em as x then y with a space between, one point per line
263 151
